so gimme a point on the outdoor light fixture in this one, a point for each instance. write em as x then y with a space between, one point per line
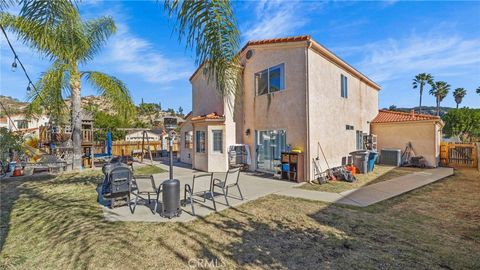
28 88
14 64
247 132
170 124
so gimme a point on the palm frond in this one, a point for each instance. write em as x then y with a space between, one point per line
31 33
49 13
4 4
97 33
113 89
52 87
210 28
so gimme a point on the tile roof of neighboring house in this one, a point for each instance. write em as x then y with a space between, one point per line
317 46
3 120
210 116
385 116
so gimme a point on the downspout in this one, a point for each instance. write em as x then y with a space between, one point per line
307 114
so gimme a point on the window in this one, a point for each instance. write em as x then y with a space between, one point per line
200 141
21 124
270 80
188 140
343 86
217 141
360 145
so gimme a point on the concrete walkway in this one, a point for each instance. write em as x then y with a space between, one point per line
374 193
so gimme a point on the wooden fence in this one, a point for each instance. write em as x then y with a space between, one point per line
126 148
459 154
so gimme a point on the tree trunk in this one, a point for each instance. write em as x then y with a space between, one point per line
421 94
76 120
438 107
457 105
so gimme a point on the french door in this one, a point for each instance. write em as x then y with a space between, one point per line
270 145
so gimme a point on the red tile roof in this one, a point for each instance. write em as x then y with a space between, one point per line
210 116
385 116
276 40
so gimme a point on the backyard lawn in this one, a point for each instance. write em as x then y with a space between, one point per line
148 170
56 224
379 174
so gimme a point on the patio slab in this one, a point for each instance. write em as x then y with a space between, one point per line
252 186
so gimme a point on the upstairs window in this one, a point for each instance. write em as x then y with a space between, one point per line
200 141
21 124
270 80
343 86
217 141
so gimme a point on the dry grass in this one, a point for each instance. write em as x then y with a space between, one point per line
379 174
56 223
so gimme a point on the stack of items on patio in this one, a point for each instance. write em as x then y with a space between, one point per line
361 161
239 156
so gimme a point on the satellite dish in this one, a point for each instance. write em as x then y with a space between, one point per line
249 54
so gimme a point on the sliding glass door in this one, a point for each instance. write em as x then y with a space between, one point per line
270 145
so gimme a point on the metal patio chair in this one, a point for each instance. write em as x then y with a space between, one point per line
202 186
144 185
231 180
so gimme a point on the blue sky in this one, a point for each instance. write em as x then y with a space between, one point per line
388 41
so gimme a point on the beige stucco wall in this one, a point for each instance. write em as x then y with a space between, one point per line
329 113
281 110
186 154
205 98
424 136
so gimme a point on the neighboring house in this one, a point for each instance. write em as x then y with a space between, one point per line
396 129
186 139
20 122
295 93
137 136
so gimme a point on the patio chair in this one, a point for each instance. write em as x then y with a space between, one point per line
144 185
231 180
201 186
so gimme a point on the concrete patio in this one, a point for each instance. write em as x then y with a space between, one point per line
252 185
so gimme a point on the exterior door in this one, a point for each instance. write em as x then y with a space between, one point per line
270 145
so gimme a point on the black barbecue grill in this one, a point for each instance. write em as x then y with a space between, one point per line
120 180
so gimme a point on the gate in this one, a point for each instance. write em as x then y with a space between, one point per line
459 155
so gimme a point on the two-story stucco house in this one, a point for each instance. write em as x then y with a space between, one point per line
297 94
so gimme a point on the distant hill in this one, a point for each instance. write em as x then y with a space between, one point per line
151 118
432 110
12 105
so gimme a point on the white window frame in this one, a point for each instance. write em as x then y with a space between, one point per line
216 132
282 79
197 141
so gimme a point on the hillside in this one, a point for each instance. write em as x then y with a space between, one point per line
431 110
12 105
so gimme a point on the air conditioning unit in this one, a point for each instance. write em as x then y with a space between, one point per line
391 156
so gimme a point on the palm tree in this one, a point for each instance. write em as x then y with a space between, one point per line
419 82
68 42
439 91
458 94
54 28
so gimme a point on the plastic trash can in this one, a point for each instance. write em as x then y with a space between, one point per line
360 160
372 157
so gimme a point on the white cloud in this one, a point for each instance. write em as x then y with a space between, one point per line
275 19
130 54
391 59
